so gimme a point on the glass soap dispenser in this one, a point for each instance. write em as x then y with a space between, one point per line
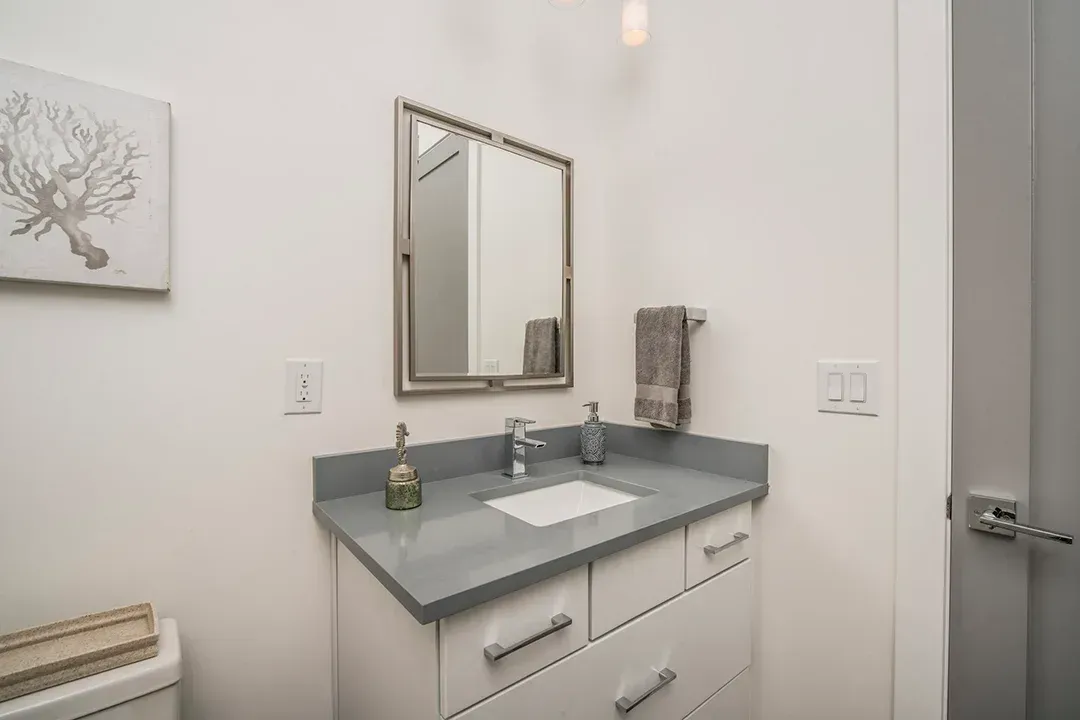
403 482
593 436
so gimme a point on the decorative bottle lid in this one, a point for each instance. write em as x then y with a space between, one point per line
402 472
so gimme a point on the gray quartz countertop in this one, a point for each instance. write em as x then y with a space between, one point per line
454 552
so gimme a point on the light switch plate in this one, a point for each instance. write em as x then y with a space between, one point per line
303 386
867 369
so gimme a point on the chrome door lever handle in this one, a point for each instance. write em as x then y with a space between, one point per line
998 516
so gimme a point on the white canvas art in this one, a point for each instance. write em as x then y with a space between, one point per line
84 182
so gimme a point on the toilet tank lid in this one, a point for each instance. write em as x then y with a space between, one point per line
82 697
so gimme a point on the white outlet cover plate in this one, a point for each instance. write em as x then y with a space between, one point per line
293 368
846 368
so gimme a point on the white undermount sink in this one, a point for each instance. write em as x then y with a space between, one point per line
547 501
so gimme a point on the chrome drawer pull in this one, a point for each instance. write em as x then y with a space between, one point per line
495 652
713 549
625 704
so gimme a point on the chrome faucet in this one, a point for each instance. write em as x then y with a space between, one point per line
516 442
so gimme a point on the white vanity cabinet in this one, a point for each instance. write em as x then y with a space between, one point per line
681 652
659 631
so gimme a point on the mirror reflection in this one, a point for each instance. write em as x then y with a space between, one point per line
487 259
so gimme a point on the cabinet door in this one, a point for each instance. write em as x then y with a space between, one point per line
702 636
731 703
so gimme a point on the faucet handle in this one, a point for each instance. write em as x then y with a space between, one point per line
518 422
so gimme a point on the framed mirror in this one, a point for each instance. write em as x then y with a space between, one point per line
483 259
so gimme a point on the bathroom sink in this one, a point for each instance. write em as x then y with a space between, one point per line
546 501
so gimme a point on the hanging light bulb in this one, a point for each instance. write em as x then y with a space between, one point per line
566 3
635 22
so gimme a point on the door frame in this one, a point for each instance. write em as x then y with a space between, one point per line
924 357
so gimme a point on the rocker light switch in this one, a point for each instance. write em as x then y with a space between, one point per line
835 387
858 387
850 387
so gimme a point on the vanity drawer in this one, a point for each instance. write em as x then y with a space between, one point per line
628 583
732 702
716 543
702 638
483 649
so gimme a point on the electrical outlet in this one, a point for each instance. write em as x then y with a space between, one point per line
490 367
303 386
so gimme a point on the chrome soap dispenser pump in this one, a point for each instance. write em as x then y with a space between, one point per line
593 436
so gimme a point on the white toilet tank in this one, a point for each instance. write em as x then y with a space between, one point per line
146 690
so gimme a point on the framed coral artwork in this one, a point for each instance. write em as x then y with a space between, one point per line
84 182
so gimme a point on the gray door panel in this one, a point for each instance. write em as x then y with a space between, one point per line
1014 638
1054 629
991 351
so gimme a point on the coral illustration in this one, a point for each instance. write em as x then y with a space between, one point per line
60 164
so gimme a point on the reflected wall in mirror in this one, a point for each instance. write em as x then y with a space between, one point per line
487 244
483 261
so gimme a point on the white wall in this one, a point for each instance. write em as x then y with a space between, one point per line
142 450
143 454
924 343
427 136
780 218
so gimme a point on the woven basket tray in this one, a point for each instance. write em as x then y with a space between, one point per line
49 655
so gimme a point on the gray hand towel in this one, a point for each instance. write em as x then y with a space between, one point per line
541 347
663 367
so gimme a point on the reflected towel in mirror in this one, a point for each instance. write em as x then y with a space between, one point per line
541 346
